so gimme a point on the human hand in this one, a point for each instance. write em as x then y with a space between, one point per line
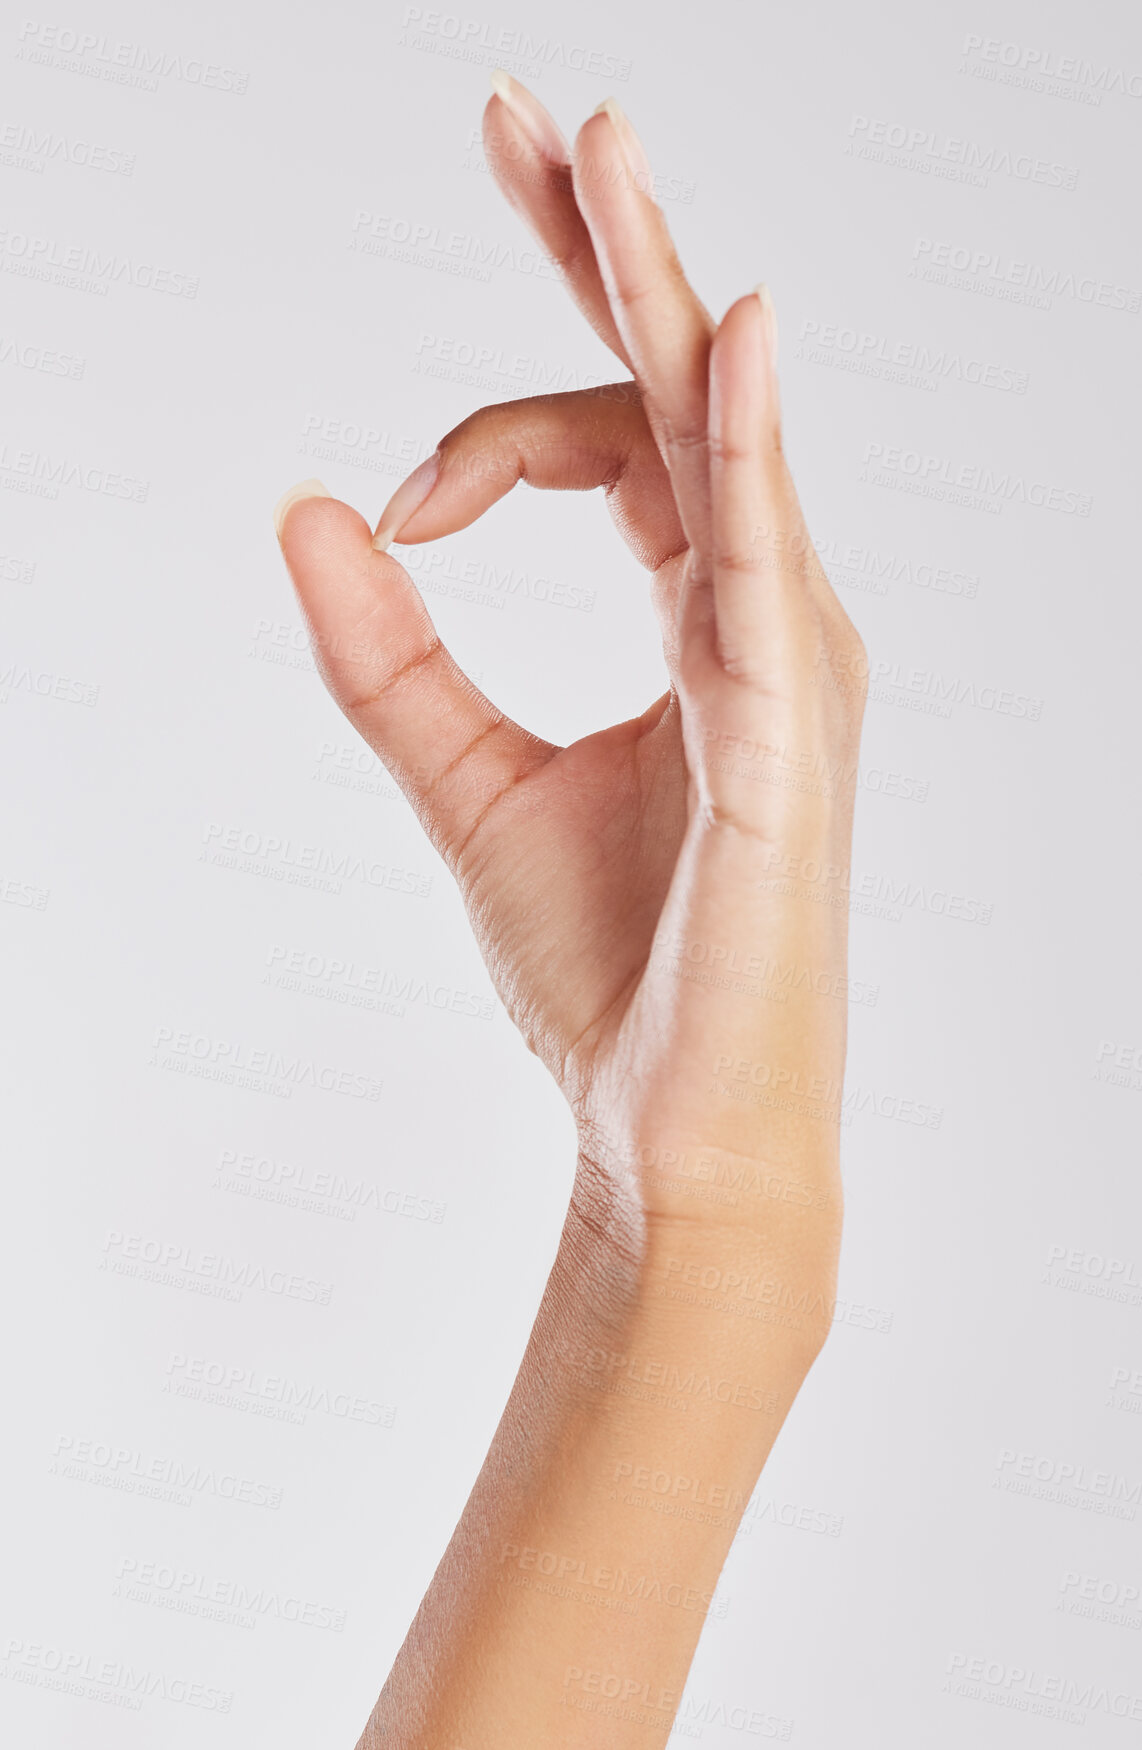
604 879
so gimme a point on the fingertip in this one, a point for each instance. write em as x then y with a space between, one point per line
312 488
341 585
738 348
597 148
598 122
315 527
406 501
744 393
535 123
744 317
769 318
753 314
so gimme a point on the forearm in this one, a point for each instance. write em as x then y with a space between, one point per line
566 1609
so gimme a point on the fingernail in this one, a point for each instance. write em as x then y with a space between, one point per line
633 151
765 299
303 489
532 118
409 496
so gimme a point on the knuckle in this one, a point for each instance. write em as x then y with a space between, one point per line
372 685
685 431
741 561
723 450
630 294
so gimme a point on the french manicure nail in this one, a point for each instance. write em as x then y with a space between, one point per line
408 497
633 150
765 299
303 489
532 118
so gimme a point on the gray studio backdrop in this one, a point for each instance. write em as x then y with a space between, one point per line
282 1186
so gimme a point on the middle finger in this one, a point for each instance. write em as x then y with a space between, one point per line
608 244
665 328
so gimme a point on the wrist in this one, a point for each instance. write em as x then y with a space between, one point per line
757 1276
713 1201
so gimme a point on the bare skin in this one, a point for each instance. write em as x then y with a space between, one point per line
695 1279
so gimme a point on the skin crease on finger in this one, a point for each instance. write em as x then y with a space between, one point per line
605 882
